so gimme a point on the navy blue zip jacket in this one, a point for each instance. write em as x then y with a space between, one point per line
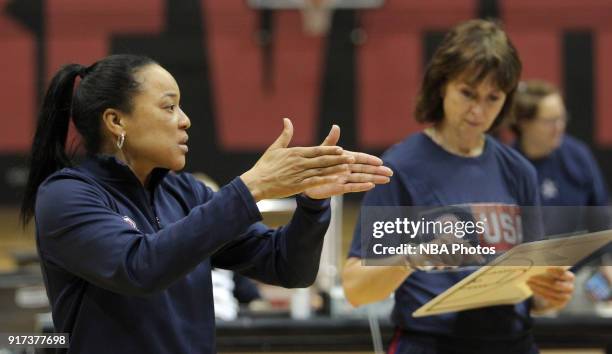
127 268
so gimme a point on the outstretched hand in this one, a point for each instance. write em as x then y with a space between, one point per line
317 171
361 175
282 171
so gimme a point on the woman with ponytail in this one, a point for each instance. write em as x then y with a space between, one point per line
127 242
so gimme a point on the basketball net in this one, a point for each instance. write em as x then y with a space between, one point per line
316 16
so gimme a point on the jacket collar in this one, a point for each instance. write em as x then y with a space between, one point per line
114 171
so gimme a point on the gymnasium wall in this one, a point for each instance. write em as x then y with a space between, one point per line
241 70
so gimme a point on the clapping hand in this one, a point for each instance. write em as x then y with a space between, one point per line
361 175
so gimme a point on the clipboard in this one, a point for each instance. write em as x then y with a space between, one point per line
504 280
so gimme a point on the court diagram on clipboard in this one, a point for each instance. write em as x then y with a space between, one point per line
504 280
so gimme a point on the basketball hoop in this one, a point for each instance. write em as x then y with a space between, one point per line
316 14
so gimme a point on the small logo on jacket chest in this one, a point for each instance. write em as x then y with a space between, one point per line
128 220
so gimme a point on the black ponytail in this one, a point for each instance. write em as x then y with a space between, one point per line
48 148
108 83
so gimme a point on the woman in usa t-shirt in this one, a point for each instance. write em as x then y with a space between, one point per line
467 90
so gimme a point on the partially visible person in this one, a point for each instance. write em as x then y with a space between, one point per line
572 188
230 289
127 242
568 175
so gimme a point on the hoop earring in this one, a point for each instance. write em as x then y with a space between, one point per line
120 141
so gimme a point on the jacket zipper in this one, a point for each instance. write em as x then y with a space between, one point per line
150 209
157 221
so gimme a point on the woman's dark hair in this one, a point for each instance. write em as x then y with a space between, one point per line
108 83
527 100
475 49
